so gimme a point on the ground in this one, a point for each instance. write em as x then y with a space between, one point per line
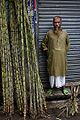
51 114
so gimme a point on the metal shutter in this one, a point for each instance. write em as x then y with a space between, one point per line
69 10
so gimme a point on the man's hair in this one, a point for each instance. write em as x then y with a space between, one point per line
56 17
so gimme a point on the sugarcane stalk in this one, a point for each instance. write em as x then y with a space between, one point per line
17 63
7 93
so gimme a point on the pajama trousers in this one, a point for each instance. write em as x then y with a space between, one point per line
58 81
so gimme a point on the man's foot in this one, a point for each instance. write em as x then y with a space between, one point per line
50 92
65 91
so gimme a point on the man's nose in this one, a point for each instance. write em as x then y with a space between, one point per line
57 23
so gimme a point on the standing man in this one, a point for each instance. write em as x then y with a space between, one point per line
56 43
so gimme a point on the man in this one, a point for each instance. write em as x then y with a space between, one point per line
56 43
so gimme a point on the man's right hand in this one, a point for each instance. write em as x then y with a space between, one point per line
45 49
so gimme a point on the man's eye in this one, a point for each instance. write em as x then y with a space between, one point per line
56 22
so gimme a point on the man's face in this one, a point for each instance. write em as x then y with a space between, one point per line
57 23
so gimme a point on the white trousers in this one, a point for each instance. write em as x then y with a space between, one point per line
58 81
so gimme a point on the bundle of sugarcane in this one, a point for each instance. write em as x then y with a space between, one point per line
70 105
7 76
36 92
20 74
74 99
17 53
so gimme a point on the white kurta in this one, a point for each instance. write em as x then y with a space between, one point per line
58 81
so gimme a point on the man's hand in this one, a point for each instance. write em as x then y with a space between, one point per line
45 49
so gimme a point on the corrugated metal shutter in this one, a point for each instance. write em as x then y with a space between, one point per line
69 10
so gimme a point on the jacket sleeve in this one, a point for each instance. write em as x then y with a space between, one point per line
45 42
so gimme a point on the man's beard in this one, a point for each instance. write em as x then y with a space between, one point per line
57 30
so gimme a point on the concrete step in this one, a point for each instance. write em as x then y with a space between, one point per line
57 93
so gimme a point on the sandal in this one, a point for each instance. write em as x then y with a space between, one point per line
49 92
65 91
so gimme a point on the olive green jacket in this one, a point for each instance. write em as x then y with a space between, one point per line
57 46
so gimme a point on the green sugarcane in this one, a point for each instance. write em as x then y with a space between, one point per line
7 94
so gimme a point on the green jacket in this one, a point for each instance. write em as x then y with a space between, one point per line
57 46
